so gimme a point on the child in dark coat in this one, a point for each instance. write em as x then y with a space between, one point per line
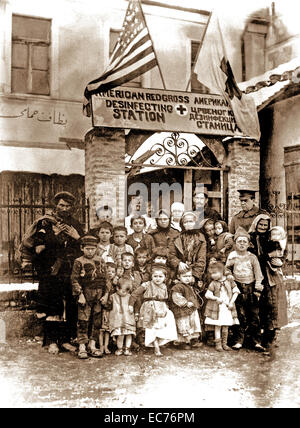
89 283
184 305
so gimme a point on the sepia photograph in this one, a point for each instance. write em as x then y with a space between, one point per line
149 206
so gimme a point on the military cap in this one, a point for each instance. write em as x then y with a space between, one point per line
244 192
66 196
89 240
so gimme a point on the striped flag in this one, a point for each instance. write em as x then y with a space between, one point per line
132 56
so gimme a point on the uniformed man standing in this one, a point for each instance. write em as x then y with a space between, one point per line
248 213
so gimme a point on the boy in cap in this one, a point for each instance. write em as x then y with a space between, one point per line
89 282
248 277
51 244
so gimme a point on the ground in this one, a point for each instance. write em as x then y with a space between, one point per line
30 377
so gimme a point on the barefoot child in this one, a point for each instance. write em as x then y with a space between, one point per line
220 309
121 321
185 305
104 331
89 285
155 316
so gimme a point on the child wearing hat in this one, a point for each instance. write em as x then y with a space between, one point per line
89 284
248 277
220 310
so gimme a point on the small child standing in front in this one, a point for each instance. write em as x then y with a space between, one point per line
104 330
220 309
122 323
248 277
155 316
89 285
185 305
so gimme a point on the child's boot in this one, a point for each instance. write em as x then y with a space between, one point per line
224 339
218 345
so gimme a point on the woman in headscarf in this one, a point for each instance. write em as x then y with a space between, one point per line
273 301
164 234
188 251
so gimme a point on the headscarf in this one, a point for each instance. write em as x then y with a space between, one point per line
159 228
257 219
185 214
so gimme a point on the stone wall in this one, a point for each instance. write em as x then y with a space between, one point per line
244 162
105 171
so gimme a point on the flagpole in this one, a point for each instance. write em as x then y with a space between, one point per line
161 75
198 53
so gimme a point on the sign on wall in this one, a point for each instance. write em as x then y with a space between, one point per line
160 110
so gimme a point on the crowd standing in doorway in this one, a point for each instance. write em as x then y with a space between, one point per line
183 279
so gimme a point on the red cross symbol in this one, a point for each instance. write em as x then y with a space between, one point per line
181 110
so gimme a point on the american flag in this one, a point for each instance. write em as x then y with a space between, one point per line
132 56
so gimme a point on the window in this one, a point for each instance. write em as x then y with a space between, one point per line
196 86
30 55
113 37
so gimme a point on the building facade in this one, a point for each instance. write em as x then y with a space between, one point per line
51 50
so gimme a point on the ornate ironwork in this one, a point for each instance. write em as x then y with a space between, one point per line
178 151
277 210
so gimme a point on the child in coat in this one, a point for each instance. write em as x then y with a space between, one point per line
104 336
119 246
220 309
140 239
141 257
155 316
89 284
185 305
224 240
104 232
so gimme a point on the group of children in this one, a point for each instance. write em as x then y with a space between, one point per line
127 294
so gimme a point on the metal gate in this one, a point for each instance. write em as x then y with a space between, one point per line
16 216
287 215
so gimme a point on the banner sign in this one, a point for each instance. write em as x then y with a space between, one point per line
160 110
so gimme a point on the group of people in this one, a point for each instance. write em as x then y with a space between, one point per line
183 278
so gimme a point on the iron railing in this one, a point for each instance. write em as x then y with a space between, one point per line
15 217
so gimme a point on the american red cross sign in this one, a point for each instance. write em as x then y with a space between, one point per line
159 110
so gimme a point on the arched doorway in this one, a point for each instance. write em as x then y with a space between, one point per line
182 158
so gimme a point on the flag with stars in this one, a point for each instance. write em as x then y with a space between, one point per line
214 71
133 55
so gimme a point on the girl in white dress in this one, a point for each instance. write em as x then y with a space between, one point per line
155 316
220 309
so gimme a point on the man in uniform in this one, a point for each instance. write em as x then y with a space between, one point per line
51 244
248 213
